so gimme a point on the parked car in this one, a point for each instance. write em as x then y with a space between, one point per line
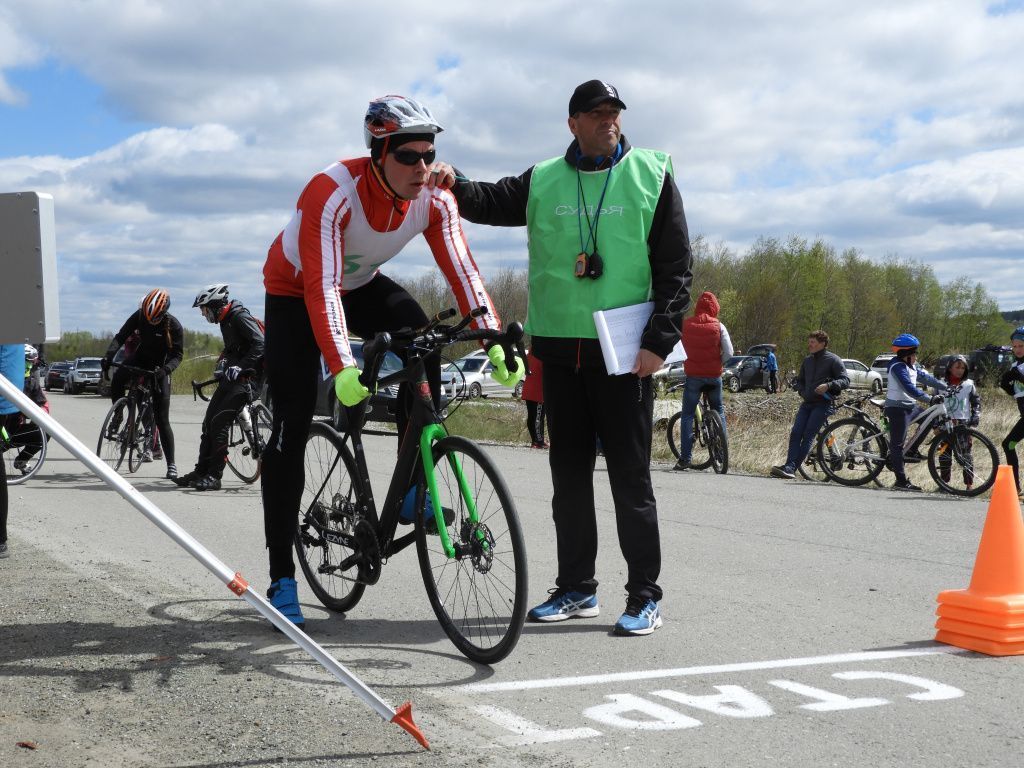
84 374
761 350
470 377
984 365
669 375
56 374
881 366
744 372
383 403
862 377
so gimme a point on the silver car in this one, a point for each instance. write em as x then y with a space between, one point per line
862 377
470 377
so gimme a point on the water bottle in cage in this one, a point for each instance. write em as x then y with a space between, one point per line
245 419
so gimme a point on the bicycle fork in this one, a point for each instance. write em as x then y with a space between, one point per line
430 433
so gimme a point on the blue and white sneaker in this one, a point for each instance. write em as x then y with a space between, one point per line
284 595
642 617
565 604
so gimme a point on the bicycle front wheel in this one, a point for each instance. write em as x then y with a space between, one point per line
27 453
479 595
245 446
718 444
852 452
811 467
673 432
700 446
114 435
140 440
963 463
327 517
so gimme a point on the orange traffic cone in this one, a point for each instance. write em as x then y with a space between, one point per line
988 616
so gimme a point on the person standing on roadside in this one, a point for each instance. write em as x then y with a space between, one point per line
771 364
707 344
533 396
1012 383
821 378
605 229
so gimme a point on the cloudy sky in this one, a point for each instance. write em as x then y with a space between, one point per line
176 136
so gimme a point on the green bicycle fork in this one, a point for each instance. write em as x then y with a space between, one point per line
430 433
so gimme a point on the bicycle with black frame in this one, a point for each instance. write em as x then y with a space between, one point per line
810 468
23 447
710 447
468 538
250 430
128 428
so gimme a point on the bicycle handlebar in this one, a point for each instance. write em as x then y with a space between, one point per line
197 386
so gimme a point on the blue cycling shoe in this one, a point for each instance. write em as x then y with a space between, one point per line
284 595
408 512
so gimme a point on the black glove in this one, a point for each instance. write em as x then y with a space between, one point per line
161 372
936 399
105 364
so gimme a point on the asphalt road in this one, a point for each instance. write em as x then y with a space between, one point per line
799 625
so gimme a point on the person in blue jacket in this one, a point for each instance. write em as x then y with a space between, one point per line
12 366
901 398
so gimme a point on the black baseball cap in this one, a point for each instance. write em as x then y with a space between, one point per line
591 93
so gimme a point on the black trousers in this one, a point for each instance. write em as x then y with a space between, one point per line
584 405
1014 438
535 421
8 420
225 402
161 404
292 361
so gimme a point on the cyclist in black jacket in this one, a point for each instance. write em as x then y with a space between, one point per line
243 350
161 345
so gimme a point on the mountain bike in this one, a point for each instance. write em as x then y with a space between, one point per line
961 460
128 427
250 430
710 443
811 468
469 542
24 450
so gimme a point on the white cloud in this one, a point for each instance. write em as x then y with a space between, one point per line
889 128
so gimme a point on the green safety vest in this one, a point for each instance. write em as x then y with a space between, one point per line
561 305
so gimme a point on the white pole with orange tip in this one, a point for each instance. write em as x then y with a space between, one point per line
234 581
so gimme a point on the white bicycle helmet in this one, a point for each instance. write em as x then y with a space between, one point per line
393 115
31 353
217 293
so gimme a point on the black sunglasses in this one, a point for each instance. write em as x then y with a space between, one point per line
409 157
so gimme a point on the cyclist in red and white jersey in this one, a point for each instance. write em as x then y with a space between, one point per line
324 283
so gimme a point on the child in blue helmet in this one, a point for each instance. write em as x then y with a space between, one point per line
900 400
1012 382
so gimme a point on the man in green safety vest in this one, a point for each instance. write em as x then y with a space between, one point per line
606 229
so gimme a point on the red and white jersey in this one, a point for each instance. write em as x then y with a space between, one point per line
346 225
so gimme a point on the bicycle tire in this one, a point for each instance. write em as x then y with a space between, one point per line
673 431
479 596
976 466
245 449
860 452
329 501
29 433
811 469
138 444
112 450
718 442
700 447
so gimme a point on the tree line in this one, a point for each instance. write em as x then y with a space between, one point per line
779 291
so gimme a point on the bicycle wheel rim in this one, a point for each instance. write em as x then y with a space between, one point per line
31 436
852 452
811 469
137 444
719 445
329 496
963 463
673 433
479 597
112 451
240 457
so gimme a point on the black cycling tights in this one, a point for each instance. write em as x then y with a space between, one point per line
161 405
1014 439
292 361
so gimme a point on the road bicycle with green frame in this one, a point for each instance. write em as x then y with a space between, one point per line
468 538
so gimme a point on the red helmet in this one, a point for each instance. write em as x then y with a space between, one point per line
154 305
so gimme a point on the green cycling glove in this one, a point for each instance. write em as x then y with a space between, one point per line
348 388
501 373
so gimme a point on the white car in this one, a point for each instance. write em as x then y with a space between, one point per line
862 377
881 366
470 377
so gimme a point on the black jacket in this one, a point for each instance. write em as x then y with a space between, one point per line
503 203
822 367
243 339
160 344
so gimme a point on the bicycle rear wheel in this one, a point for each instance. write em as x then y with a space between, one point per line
963 463
852 452
479 596
811 468
114 435
245 446
718 443
673 432
20 467
141 438
327 512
